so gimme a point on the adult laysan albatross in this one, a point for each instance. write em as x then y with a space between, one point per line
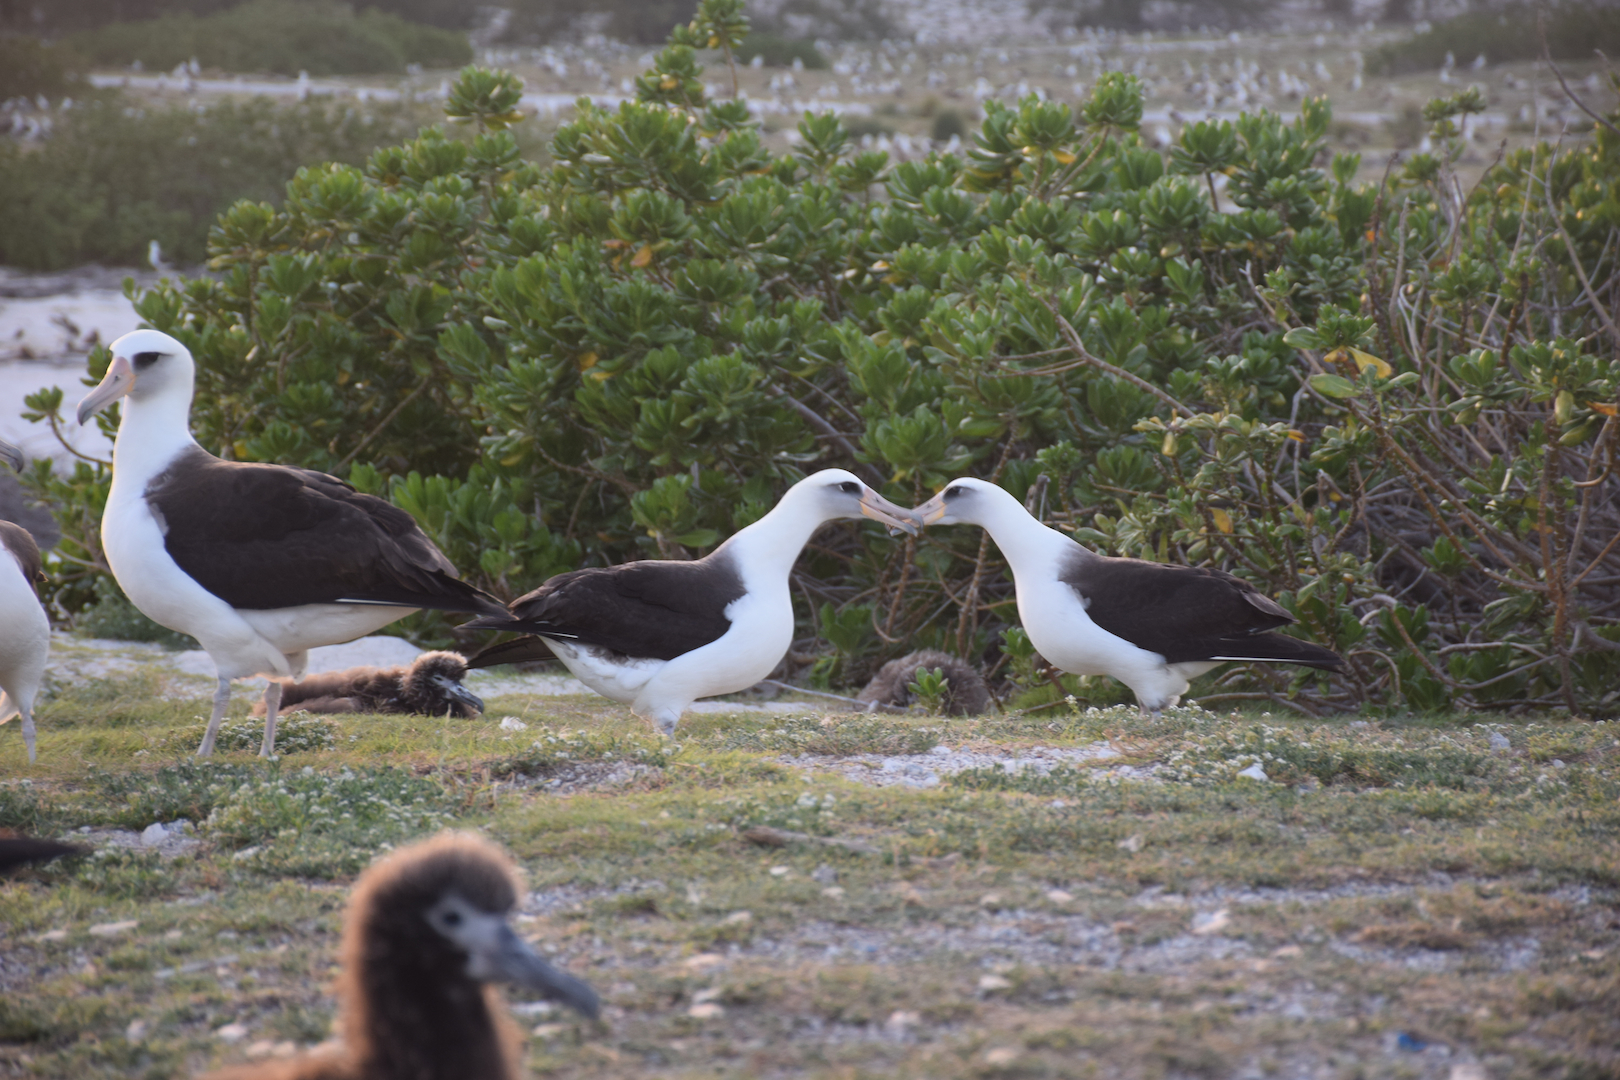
259 563
25 632
1153 626
657 635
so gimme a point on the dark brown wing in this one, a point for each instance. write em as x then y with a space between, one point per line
17 850
650 610
267 536
1182 613
17 540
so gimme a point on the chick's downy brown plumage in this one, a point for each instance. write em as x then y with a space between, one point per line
425 934
430 686
966 694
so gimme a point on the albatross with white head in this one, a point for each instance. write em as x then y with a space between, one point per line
260 563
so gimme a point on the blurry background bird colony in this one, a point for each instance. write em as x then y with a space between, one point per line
1321 291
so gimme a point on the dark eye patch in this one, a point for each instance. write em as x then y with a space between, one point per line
952 492
145 360
850 486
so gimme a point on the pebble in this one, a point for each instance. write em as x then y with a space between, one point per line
780 871
1001 1055
703 961
833 892
708 1010
1058 896
154 834
111 929
233 1032
992 983
1211 922
900 1021
824 875
1132 843
135 1032
1500 741
1255 772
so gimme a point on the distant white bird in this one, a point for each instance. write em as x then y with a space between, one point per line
154 256
25 631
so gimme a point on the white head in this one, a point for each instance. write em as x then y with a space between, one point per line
966 501
832 494
146 365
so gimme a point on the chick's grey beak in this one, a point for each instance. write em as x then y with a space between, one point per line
119 380
930 512
513 960
880 509
13 455
457 692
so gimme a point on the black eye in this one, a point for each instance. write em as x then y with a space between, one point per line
952 492
452 918
850 486
145 359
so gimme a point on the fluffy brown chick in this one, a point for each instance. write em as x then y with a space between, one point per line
430 686
965 695
425 934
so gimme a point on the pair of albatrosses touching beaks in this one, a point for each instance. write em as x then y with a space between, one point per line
25 630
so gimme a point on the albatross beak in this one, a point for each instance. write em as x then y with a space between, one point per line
119 380
13 456
511 959
456 692
880 509
930 512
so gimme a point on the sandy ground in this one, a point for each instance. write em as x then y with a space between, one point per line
48 324
75 658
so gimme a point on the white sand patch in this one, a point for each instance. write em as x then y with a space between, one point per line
927 770
44 341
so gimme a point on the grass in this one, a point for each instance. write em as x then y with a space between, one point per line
1392 877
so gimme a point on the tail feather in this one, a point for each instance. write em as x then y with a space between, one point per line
1278 649
516 651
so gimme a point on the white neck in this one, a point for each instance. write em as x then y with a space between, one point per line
153 430
1020 536
771 545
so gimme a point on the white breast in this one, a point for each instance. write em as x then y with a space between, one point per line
242 644
1057 624
25 636
618 679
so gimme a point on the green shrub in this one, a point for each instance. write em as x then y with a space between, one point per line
948 123
1575 31
778 51
296 733
1394 409
29 68
279 36
189 789
115 176
312 824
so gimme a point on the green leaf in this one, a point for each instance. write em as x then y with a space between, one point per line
1333 386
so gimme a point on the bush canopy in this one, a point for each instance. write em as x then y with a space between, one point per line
1392 407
